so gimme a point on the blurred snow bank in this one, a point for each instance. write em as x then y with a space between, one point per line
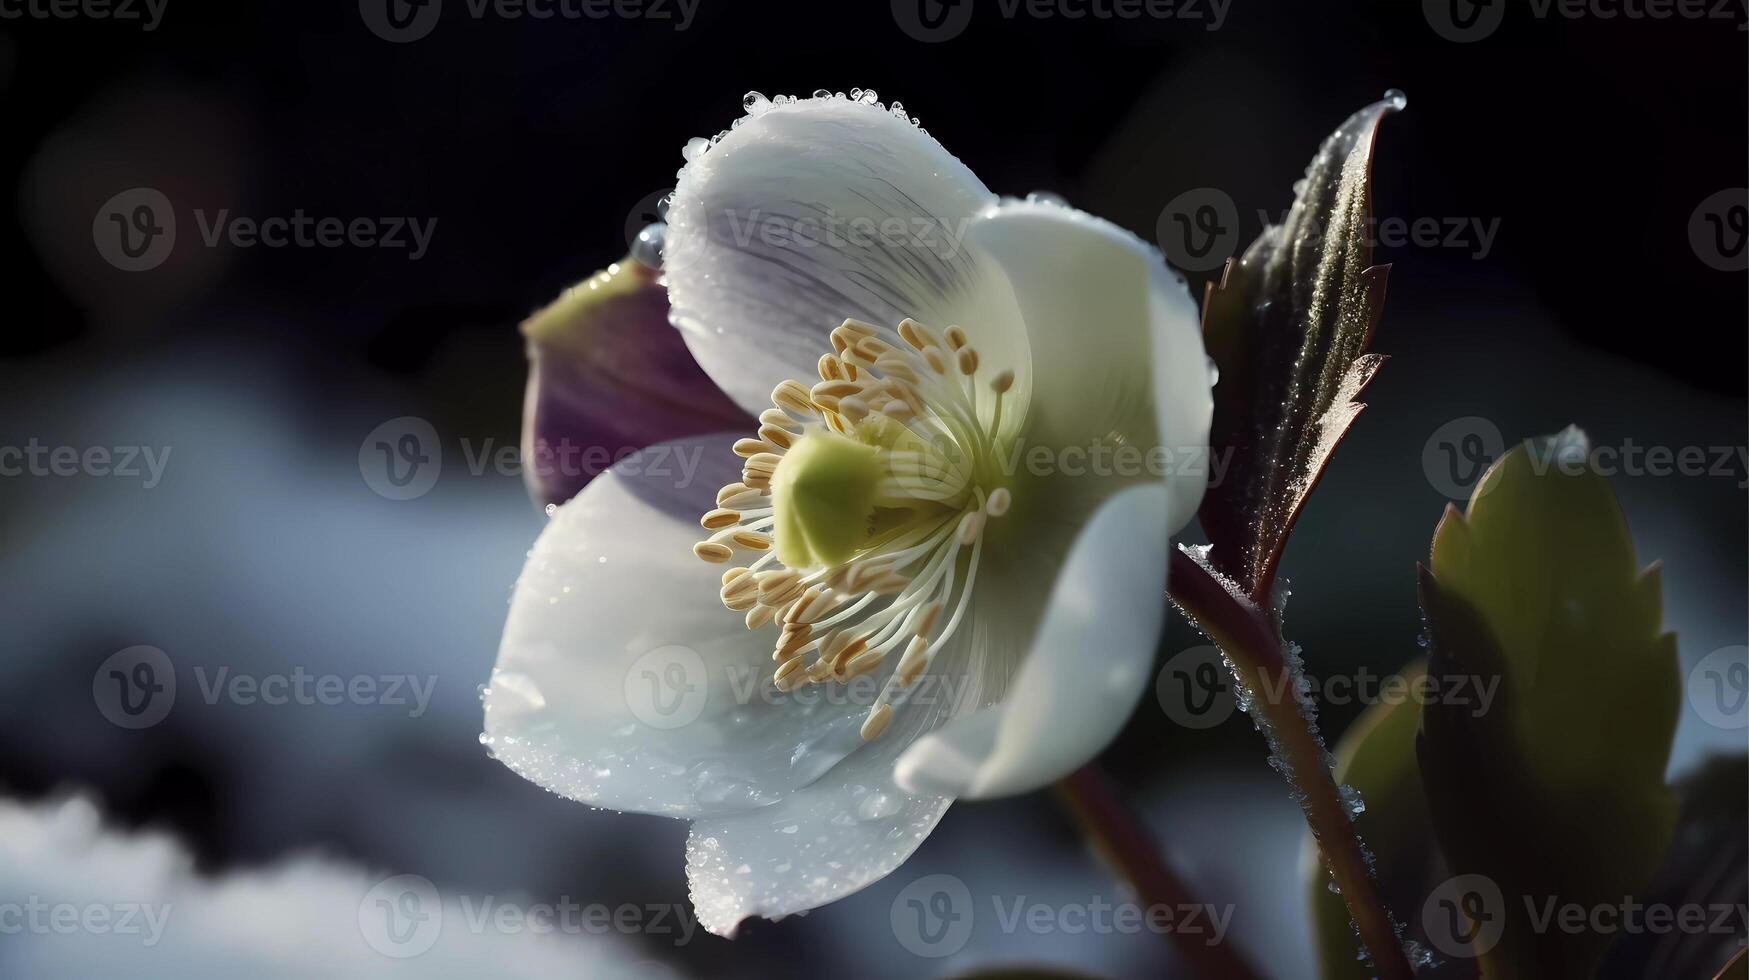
79 900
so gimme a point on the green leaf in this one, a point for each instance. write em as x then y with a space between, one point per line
1376 756
1556 794
1288 327
1707 868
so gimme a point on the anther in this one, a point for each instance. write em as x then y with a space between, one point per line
777 436
713 552
968 359
956 338
862 663
916 334
999 502
747 539
807 608
913 662
926 619
793 641
876 722
779 418
1002 382
788 674
720 518
792 397
971 526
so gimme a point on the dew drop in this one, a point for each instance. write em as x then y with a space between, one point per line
822 93
1214 373
755 103
695 148
1046 197
876 806
1397 99
647 249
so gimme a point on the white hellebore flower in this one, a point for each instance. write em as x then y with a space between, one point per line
946 557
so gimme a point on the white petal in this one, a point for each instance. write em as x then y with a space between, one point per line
1088 666
826 841
623 682
1115 340
812 212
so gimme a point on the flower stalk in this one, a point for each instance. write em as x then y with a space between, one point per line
1249 641
1125 843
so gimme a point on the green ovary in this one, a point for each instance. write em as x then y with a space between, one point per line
833 496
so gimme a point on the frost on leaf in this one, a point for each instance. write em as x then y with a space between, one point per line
1288 326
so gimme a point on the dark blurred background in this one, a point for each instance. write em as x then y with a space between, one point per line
1570 165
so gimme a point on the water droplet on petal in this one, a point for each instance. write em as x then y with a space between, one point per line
755 103
876 806
1397 99
1046 197
648 246
1214 373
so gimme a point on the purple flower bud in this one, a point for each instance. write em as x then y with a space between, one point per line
609 375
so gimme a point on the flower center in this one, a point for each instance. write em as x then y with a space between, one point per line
866 498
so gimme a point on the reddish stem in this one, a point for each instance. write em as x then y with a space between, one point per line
1252 646
1132 851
